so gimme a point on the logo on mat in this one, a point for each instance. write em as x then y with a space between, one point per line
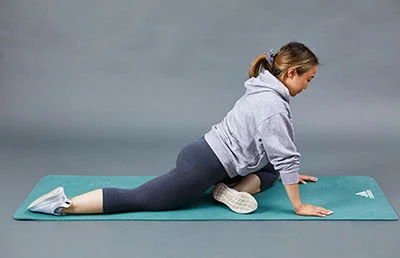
366 193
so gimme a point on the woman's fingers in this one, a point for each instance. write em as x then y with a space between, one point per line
324 211
321 212
308 178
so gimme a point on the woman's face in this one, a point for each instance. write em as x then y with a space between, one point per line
297 83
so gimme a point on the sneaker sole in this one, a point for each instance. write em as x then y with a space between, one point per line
239 202
45 197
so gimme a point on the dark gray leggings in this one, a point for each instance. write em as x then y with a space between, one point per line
197 169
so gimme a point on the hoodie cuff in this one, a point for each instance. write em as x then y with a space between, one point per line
292 178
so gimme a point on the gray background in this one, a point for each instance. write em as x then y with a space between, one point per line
119 87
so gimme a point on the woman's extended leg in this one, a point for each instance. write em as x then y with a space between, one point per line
92 202
197 169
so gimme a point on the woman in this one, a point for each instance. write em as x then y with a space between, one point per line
253 145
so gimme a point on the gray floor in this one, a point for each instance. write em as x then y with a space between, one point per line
23 163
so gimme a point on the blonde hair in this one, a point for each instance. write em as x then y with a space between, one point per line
293 54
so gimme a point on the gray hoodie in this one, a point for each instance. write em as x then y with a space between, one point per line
258 130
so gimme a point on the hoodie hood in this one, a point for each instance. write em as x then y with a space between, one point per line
266 82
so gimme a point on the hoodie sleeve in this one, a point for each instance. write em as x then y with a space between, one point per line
277 136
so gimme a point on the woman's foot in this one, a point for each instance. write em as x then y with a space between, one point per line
51 203
239 202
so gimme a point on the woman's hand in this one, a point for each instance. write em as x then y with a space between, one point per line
310 210
307 209
300 208
304 178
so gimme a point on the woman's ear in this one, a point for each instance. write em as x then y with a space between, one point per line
291 72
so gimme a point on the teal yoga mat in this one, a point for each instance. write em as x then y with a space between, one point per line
350 197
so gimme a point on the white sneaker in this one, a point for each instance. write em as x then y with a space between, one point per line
240 202
51 202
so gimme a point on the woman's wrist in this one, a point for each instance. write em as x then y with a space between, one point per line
297 207
293 193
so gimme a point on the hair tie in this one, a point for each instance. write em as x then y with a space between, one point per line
270 57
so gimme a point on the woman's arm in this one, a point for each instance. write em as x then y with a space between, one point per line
277 135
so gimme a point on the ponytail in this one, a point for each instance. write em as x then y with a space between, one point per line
260 61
